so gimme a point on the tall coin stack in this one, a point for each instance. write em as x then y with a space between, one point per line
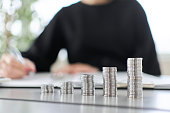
88 86
109 81
134 82
67 88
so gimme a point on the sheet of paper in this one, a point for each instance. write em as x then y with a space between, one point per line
31 81
38 79
4 79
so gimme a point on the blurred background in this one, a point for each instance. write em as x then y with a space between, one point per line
24 20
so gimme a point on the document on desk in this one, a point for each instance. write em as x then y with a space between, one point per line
38 79
4 79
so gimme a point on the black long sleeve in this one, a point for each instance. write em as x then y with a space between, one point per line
44 50
99 35
144 44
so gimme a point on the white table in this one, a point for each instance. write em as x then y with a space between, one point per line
30 100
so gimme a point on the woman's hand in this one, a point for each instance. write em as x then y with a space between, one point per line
12 68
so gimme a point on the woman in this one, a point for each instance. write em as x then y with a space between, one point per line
96 33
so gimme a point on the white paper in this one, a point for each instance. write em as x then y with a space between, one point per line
38 79
4 79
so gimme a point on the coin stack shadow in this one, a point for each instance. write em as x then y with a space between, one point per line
67 88
134 81
47 88
109 81
88 86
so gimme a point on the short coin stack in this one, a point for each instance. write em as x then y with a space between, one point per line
134 82
109 81
67 88
47 88
88 86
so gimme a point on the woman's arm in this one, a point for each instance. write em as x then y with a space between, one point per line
44 50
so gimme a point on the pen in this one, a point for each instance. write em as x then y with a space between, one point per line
17 54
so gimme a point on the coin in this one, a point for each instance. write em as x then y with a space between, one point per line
88 86
67 88
47 88
109 81
134 81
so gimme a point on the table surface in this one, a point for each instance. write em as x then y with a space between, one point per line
32 100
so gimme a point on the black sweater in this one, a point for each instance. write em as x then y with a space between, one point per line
100 35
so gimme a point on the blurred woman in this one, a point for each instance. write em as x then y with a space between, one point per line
96 33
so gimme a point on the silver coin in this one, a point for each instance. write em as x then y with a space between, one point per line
67 88
88 86
47 88
134 81
109 81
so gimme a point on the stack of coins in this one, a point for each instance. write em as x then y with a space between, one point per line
88 86
109 81
134 82
67 88
47 88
